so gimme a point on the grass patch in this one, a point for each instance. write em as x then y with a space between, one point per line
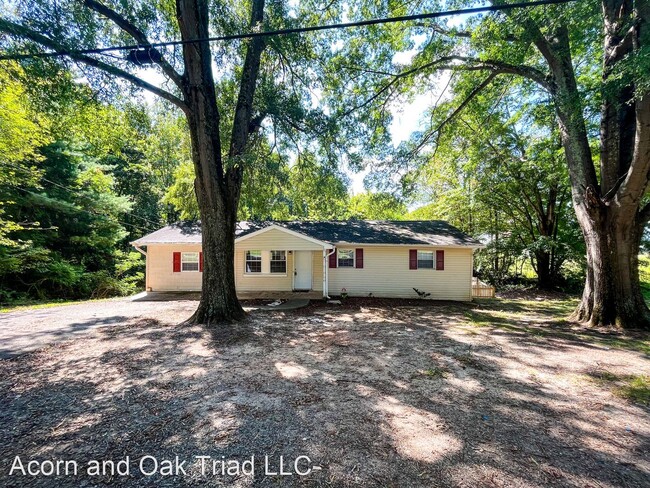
434 373
548 318
644 276
39 304
635 388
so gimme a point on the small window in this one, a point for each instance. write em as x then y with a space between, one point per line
425 259
278 261
346 258
190 261
253 261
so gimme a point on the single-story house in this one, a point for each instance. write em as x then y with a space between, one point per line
358 257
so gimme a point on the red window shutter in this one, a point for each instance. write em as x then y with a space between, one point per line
413 259
201 262
440 260
177 262
359 258
333 259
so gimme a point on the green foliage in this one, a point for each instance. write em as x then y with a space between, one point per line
73 200
644 276
22 131
376 206
272 190
180 195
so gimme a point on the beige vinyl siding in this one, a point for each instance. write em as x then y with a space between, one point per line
278 240
386 273
317 270
160 271
262 281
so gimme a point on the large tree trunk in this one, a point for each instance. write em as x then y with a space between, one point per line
612 293
608 212
217 207
610 216
545 280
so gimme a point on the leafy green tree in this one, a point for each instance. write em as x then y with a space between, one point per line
376 206
70 249
225 116
22 131
590 61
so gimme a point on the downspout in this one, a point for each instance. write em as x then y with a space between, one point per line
140 250
326 274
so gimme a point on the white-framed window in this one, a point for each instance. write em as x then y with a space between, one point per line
278 262
190 261
425 260
345 258
253 261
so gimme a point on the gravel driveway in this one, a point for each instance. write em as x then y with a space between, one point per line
381 395
28 330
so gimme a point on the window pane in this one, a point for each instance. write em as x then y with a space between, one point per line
425 259
190 261
346 258
253 261
278 262
190 267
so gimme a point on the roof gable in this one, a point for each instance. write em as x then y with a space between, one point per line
288 234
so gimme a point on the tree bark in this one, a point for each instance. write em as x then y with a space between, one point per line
218 182
218 212
608 213
612 292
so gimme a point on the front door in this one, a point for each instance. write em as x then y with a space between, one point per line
302 270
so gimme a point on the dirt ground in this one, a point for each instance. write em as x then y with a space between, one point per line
375 393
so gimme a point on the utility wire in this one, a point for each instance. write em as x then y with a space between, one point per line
295 30
74 191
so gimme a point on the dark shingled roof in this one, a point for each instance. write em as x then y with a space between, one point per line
408 232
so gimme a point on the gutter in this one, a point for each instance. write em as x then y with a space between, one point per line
139 249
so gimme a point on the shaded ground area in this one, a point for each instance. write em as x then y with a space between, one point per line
376 393
27 330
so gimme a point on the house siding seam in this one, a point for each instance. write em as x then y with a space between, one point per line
386 274
161 276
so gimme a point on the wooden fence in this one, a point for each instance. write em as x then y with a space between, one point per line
481 289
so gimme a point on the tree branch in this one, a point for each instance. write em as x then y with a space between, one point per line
471 64
456 111
244 107
438 29
24 32
136 33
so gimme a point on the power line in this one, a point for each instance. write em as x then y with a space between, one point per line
295 30
76 192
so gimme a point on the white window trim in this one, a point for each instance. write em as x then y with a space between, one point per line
198 262
286 262
354 259
266 264
261 261
435 257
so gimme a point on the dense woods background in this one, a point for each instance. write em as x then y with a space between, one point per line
87 165
81 178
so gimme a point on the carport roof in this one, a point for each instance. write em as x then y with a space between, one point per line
374 232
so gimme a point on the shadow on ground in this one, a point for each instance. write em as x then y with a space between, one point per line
375 396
